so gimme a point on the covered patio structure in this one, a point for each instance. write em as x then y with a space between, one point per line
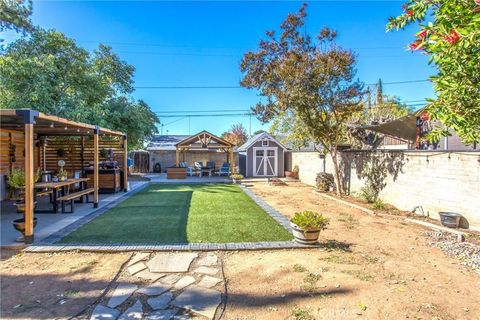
202 141
35 141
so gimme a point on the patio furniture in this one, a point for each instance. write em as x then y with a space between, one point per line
224 169
206 170
211 164
69 198
62 186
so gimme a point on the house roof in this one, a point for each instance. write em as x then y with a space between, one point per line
255 138
165 142
204 139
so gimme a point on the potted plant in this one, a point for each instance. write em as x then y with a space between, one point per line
306 226
62 175
16 180
292 174
237 177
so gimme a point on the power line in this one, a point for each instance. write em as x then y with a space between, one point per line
240 87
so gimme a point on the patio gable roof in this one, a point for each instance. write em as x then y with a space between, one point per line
204 140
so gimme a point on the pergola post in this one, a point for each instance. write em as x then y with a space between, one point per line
232 164
96 132
29 181
125 164
177 156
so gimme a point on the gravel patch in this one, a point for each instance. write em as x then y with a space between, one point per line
468 253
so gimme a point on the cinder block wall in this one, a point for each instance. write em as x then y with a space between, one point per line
434 181
167 158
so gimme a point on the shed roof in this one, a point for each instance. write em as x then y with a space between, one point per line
263 135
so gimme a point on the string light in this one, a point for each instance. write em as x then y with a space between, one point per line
66 127
51 125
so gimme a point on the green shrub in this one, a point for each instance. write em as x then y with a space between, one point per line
237 176
324 181
296 169
16 178
369 194
378 204
309 220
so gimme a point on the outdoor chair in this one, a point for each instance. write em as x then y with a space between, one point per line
197 166
211 165
224 169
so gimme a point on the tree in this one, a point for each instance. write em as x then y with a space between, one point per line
290 130
312 79
236 135
48 72
15 14
452 40
379 93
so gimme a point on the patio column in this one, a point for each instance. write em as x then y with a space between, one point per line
177 156
125 164
28 121
96 132
232 164
29 181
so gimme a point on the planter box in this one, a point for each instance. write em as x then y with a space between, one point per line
304 236
176 173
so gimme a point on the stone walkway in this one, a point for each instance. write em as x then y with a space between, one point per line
165 285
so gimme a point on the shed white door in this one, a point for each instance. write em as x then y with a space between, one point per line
265 162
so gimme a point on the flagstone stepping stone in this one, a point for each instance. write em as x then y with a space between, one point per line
208 282
121 293
104 313
171 278
161 314
133 313
137 268
171 262
206 270
199 300
209 260
184 282
147 275
154 289
138 257
160 302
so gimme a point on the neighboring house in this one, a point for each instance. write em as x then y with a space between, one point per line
262 156
162 151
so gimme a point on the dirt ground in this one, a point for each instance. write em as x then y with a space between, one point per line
54 286
370 267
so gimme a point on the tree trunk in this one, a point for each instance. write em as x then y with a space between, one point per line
338 181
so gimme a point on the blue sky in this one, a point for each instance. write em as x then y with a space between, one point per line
201 44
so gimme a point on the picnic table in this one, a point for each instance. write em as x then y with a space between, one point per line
206 170
62 186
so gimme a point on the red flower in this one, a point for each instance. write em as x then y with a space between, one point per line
410 13
453 37
477 2
416 45
424 32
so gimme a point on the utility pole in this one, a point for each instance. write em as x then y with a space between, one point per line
250 128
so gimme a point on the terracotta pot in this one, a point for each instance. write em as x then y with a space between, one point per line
21 206
305 236
291 174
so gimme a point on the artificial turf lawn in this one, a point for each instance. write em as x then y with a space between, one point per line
211 213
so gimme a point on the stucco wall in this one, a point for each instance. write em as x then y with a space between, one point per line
434 181
167 158
309 163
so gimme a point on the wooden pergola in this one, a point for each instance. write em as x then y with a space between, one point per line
34 125
205 140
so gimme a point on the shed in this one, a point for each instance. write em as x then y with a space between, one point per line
262 156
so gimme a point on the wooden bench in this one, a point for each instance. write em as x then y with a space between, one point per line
44 193
72 196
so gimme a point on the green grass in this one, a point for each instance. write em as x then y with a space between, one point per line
213 213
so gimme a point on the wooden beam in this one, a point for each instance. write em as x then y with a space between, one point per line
29 181
177 156
232 163
125 165
95 168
